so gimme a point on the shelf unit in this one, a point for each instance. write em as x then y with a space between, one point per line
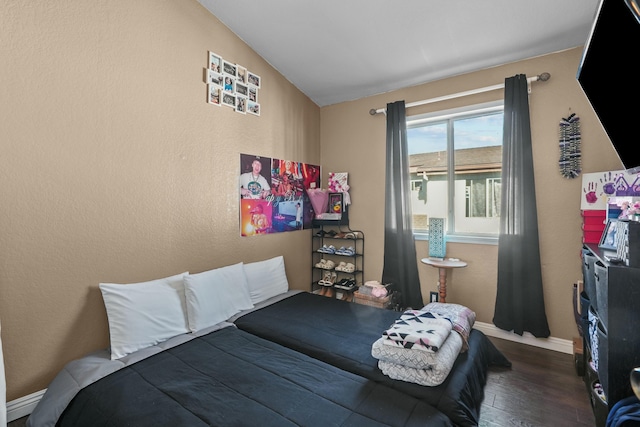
332 233
614 298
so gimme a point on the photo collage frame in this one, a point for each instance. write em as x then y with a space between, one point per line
232 85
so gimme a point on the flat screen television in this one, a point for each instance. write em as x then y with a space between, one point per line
607 75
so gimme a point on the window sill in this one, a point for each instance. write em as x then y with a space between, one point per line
459 238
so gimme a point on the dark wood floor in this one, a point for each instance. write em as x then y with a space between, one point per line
541 389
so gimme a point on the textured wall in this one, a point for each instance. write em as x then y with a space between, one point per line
354 141
114 168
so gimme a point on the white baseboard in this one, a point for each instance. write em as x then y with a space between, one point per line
555 344
23 406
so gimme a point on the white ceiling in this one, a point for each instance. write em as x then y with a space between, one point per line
341 50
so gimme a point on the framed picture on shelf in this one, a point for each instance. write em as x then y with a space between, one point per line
336 203
608 239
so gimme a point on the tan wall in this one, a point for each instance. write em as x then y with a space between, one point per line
114 168
354 141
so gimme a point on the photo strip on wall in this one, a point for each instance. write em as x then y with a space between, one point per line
232 85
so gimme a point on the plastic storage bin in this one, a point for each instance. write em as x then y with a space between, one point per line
588 261
602 292
603 356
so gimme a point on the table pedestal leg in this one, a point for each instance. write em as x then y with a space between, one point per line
442 284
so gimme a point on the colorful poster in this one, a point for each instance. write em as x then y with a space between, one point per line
273 197
596 187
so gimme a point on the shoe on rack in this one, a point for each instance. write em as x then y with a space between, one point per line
326 279
341 266
349 251
329 293
329 265
323 290
320 233
347 296
341 250
345 284
321 263
323 249
349 268
333 278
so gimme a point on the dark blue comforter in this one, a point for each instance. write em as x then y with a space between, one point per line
233 378
341 334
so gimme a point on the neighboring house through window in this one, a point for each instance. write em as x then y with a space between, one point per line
455 160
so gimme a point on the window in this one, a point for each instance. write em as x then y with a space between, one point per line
455 160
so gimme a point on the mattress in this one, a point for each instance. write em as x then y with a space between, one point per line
342 333
225 378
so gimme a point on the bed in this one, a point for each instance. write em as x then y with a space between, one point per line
175 359
342 333
226 377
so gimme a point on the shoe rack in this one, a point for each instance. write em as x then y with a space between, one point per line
337 259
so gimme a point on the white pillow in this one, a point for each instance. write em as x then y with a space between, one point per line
266 278
143 314
215 295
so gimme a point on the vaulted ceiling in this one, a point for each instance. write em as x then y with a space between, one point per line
341 50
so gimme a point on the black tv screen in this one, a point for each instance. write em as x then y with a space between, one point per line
608 76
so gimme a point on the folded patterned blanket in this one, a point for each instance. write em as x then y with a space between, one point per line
418 359
419 330
420 367
462 318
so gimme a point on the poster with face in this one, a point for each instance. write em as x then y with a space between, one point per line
273 196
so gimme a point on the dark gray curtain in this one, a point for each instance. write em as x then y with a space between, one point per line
400 264
520 300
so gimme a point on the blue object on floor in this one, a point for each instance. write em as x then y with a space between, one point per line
625 413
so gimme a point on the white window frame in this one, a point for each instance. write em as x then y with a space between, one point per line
438 116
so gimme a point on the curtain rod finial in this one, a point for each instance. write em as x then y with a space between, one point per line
544 77
373 112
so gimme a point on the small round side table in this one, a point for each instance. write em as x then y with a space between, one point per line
443 266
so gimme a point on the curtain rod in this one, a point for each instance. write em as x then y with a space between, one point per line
541 77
